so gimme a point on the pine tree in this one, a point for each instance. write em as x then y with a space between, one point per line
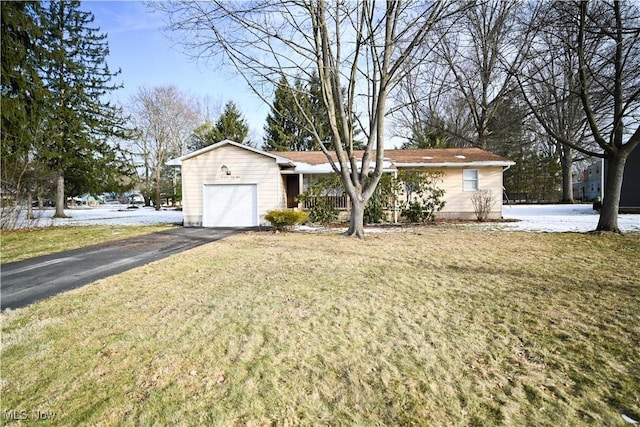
201 137
319 112
321 116
80 121
22 92
429 133
285 129
231 125
287 123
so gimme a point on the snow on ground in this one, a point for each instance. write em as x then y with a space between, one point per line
540 218
104 215
560 218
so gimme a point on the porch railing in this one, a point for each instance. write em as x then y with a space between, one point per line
338 202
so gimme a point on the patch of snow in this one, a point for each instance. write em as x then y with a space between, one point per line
579 218
539 218
560 218
103 215
341 230
628 419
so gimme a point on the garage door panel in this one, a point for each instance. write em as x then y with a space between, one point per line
230 205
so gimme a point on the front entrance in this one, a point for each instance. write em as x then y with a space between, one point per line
293 190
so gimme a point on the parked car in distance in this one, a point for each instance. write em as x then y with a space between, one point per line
136 200
46 203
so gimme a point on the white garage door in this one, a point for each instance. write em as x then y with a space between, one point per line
230 205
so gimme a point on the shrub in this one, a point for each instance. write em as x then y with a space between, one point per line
374 212
381 200
285 219
482 203
321 211
423 197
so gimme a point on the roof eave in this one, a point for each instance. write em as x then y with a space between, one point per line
455 164
279 159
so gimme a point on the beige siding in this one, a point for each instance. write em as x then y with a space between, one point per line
246 168
459 205
458 202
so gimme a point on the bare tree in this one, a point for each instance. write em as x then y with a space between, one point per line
210 108
164 118
360 46
480 59
422 103
604 39
553 85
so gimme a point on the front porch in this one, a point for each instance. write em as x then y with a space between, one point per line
299 183
296 184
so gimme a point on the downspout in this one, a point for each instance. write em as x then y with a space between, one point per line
504 190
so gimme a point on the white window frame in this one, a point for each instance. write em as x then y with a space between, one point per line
470 183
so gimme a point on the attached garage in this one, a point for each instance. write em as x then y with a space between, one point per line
230 205
231 185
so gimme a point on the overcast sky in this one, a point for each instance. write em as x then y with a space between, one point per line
147 58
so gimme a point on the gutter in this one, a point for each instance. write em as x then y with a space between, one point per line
454 164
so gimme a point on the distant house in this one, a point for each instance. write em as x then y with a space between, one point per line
587 183
228 184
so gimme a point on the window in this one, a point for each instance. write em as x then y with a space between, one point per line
470 179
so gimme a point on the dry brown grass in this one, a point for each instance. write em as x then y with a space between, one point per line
431 326
23 244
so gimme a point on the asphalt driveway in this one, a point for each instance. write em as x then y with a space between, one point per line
27 281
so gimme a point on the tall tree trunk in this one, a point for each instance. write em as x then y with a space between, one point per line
566 162
158 189
60 196
147 184
613 186
29 205
356 219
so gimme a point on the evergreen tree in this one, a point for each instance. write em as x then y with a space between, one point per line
319 112
201 137
80 123
429 133
231 125
22 98
288 121
285 130
321 116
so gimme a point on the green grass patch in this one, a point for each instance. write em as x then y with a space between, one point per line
432 326
22 244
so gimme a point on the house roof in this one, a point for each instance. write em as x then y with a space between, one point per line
279 159
316 161
440 157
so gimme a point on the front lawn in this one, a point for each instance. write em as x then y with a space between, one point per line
431 326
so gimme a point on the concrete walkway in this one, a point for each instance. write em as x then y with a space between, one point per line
25 282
